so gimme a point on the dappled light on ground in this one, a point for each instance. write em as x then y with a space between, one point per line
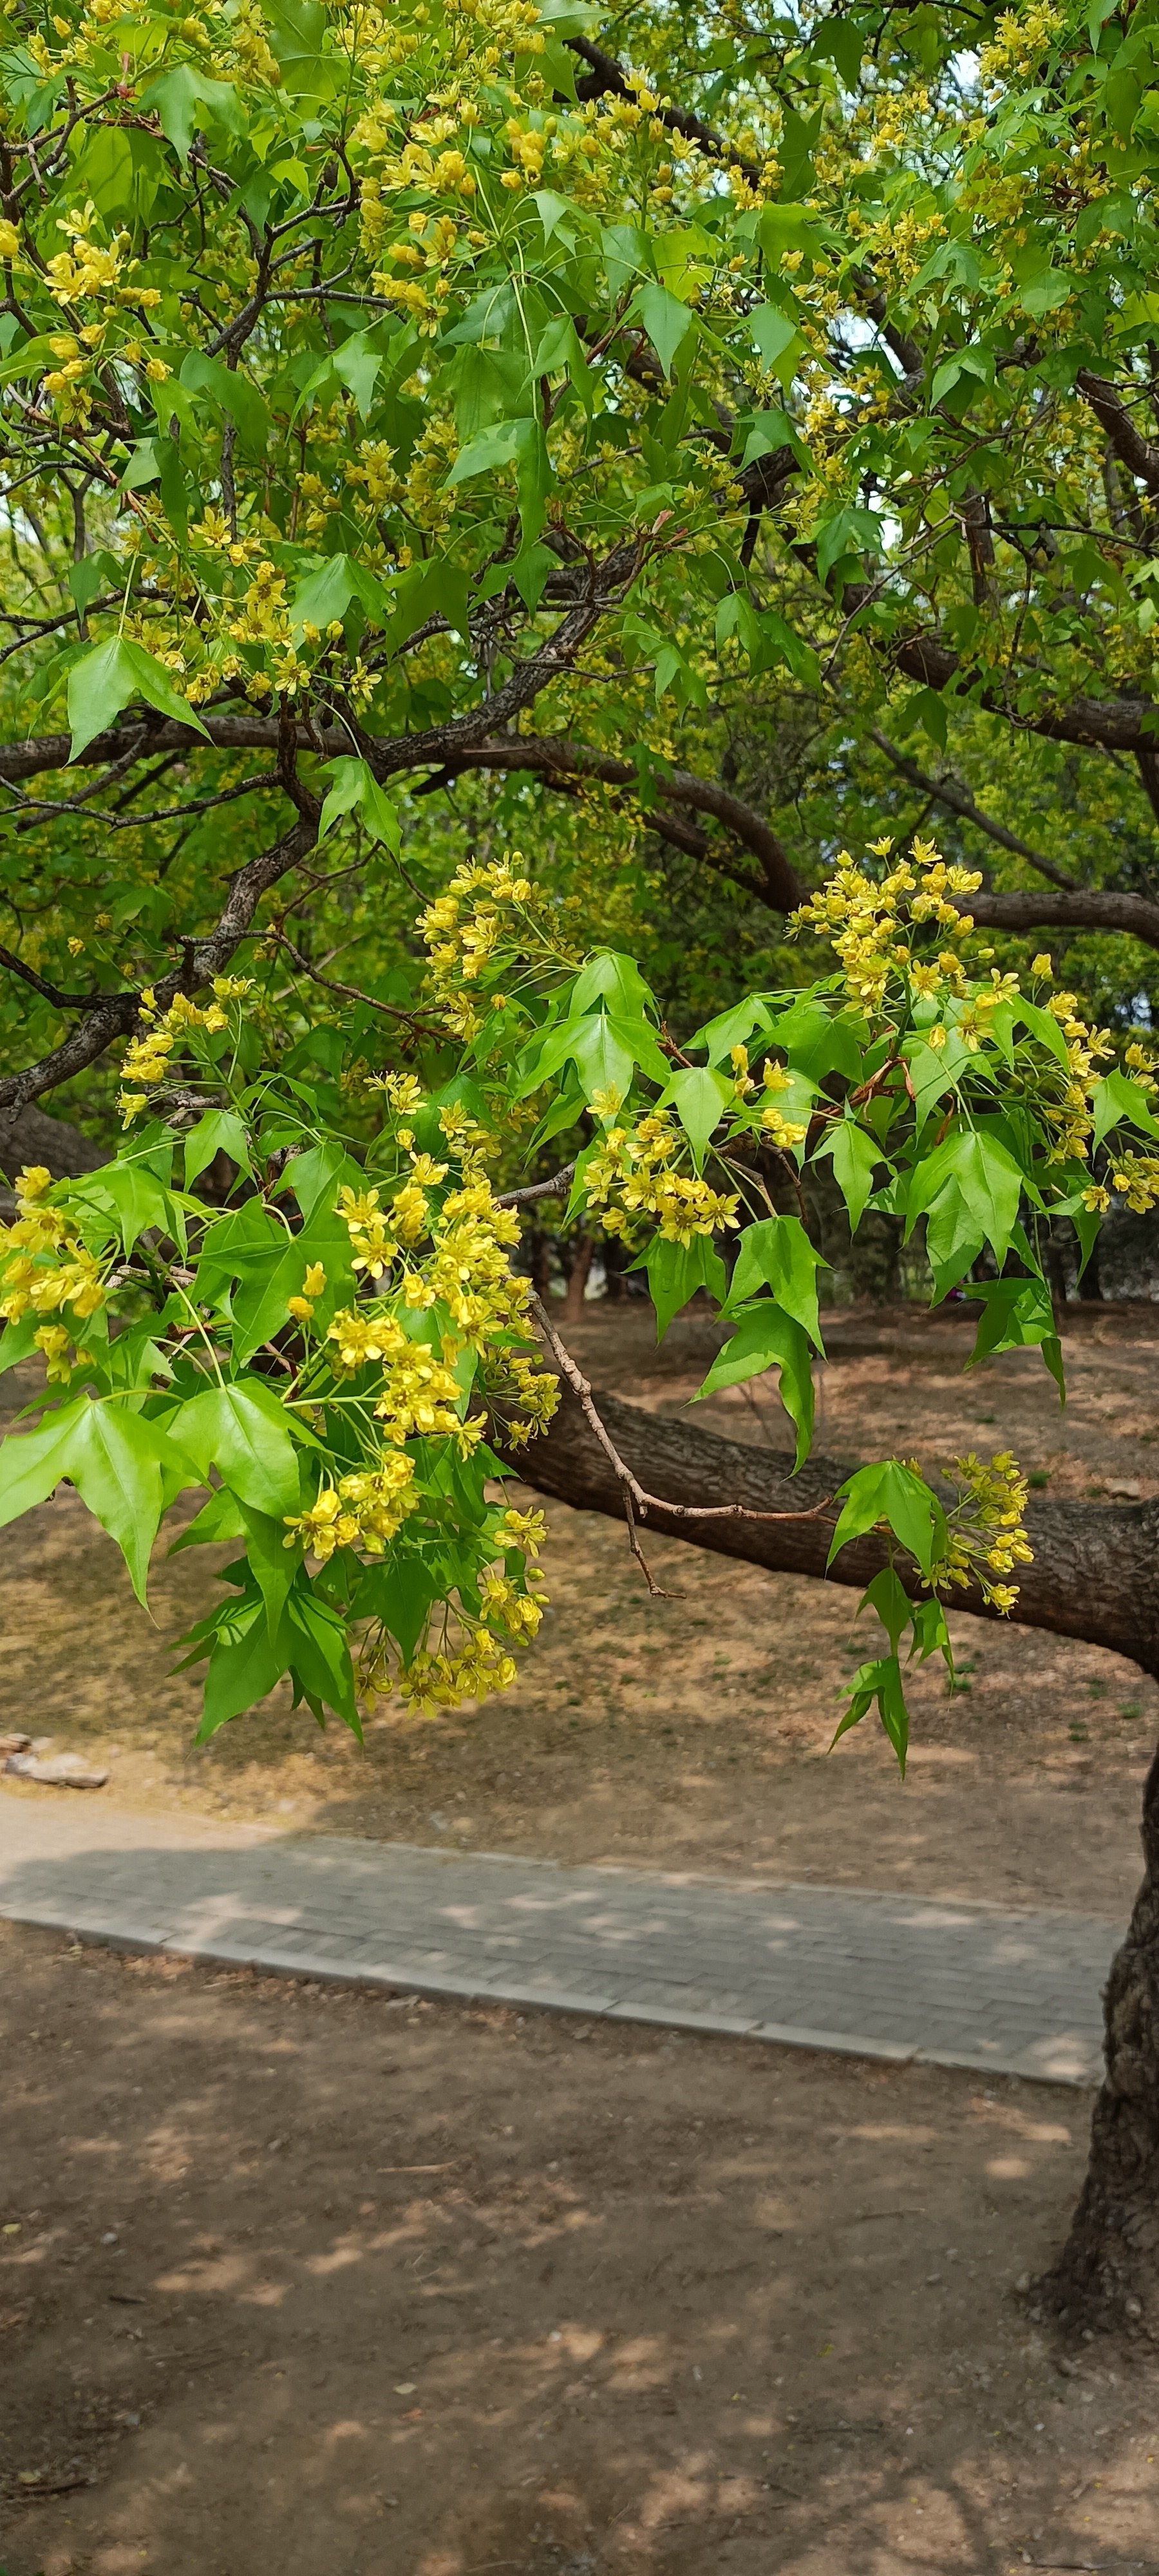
338 2283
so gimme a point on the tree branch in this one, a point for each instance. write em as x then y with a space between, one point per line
558 755
354 993
1132 449
1087 908
116 1017
1093 1570
551 1189
960 801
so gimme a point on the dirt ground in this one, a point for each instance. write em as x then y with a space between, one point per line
690 1732
525 2295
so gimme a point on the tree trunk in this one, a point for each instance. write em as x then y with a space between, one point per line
1095 1575
1107 2272
1096 1565
582 1248
31 1136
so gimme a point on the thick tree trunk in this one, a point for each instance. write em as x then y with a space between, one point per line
1108 2270
1095 1575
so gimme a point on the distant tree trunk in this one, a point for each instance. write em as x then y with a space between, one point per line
1095 1575
538 1246
31 1136
582 1248
613 1260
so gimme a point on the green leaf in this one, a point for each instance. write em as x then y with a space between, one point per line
272 1564
112 1457
30 1462
218 1131
766 1338
616 980
108 679
733 1028
320 1655
178 95
244 1666
676 1271
1018 1315
91 575
1116 1100
899 1496
700 1099
987 1179
238 398
776 1253
856 1158
298 38
220 1518
242 1430
773 332
132 1199
892 1603
880 1681
18 1341
319 1175
356 787
400 1592
358 364
666 320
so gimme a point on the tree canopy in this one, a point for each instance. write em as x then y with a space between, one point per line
476 505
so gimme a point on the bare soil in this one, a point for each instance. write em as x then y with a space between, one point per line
691 1731
524 2295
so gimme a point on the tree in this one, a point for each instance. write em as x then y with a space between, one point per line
391 397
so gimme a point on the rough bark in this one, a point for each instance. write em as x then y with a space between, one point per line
1095 1576
1108 2270
34 1137
1094 1573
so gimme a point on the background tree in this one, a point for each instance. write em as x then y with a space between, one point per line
449 466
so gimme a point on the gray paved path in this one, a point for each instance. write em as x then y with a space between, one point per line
815 1967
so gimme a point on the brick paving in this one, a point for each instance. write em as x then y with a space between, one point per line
875 1975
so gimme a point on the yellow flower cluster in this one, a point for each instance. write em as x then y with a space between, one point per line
1021 38
781 1131
868 921
1136 1176
146 1060
482 1663
987 1539
1070 1118
365 1510
490 912
631 1177
45 1266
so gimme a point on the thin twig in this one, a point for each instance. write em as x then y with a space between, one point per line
554 1188
352 992
632 1490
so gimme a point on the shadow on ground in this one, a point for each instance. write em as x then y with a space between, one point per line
337 2284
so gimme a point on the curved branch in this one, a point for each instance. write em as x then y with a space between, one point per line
1132 449
606 78
388 755
1087 908
1103 724
557 756
960 801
